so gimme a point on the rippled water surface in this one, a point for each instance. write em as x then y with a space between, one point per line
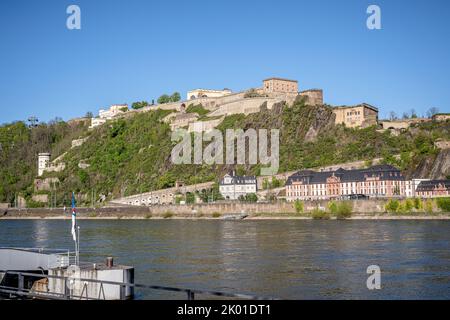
278 258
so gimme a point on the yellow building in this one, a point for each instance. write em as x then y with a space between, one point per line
363 115
274 85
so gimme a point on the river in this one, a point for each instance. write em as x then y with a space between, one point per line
290 259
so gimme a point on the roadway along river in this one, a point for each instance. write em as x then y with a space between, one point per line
284 259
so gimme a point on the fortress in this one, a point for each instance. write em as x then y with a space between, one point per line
221 103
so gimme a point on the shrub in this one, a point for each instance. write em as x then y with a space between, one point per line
216 215
168 215
148 216
429 206
333 207
251 197
318 214
409 205
392 205
298 205
344 210
418 205
443 204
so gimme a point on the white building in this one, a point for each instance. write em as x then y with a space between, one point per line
113 111
95 122
207 93
231 187
411 187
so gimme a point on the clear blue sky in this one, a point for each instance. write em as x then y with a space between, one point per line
137 50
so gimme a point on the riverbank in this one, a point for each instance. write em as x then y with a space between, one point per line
146 213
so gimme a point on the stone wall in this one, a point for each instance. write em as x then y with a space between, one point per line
245 106
313 96
225 208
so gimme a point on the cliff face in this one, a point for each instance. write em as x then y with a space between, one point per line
437 167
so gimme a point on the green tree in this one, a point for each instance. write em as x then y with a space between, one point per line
139 104
175 97
251 197
164 99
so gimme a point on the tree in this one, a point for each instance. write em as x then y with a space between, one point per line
413 114
392 116
251 197
164 99
432 111
139 104
89 115
175 97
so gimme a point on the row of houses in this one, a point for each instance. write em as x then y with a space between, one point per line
381 181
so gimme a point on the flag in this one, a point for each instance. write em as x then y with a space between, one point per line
74 219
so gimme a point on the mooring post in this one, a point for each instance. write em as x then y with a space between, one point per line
122 292
190 295
66 289
21 282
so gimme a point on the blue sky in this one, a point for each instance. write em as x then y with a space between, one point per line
137 50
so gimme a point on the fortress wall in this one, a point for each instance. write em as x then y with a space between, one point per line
245 106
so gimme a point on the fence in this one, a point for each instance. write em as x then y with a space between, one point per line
20 291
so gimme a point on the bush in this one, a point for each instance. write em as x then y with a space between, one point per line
168 215
148 216
216 215
443 204
333 207
409 205
392 205
318 214
429 206
251 197
344 210
298 205
418 205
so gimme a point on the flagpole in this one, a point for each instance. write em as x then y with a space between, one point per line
78 247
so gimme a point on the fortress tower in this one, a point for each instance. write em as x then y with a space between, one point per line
43 161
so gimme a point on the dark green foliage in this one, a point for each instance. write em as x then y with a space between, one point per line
443 204
129 156
197 109
139 104
392 205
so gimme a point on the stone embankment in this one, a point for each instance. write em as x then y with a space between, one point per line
364 209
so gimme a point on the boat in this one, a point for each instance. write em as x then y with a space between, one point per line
239 216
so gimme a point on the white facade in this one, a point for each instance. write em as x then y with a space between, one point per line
206 93
95 122
232 187
113 111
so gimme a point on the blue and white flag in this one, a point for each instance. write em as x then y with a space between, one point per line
74 219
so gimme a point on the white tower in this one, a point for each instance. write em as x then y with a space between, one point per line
43 161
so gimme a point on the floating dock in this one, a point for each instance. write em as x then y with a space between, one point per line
49 274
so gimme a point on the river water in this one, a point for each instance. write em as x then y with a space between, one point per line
290 259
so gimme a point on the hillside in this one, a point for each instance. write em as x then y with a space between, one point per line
130 156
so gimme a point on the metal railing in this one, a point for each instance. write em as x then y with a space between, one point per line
21 291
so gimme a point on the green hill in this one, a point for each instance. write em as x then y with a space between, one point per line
132 155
